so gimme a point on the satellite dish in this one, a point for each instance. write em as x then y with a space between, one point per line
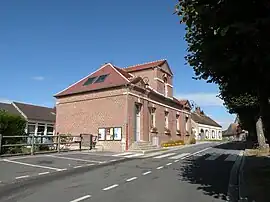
146 80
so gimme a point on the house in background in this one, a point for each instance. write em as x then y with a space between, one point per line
128 108
40 120
205 128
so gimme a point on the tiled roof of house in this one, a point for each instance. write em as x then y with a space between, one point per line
10 109
144 66
203 119
115 77
233 129
37 113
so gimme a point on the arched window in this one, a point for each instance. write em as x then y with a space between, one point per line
213 134
165 86
207 134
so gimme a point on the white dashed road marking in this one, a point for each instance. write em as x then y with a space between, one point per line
168 164
44 173
158 168
131 179
213 157
32 165
110 187
164 155
200 151
176 161
81 198
179 156
146 173
133 155
20 177
231 157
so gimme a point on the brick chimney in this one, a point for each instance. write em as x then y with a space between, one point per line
198 110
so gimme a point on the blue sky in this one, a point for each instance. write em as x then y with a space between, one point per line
47 45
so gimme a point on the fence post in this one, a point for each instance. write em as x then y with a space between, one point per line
1 143
91 141
32 144
58 142
80 143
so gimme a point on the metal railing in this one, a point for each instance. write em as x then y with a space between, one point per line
32 144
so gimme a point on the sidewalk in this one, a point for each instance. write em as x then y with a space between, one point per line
254 179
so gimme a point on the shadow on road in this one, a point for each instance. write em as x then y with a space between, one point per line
211 176
236 145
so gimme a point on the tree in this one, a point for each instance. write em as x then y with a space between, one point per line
228 45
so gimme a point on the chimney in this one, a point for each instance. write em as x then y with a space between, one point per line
198 110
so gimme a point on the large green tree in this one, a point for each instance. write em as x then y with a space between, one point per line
228 43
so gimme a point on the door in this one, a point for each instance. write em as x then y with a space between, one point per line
137 122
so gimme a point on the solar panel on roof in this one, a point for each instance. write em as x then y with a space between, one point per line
101 78
90 81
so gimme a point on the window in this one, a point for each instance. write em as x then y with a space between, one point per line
177 122
213 134
186 123
31 129
89 81
110 133
152 117
167 119
165 87
101 78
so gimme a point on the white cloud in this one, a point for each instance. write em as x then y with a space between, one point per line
202 99
38 78
3 100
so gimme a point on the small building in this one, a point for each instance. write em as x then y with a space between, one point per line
203 127
40 120
125 107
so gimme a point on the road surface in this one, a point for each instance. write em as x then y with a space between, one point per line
197 173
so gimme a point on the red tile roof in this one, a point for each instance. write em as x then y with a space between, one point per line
123 72
116 77
144 66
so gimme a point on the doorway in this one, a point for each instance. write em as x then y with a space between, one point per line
137 122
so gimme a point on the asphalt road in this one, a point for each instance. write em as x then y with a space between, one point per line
198 173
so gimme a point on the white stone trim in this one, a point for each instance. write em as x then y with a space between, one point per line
19 110
169 85
158 79
208 126
155 102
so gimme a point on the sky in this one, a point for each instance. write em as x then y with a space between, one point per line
46 46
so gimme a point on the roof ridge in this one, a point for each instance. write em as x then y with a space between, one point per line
35 105
146 63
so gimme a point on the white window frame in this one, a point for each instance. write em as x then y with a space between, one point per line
153 117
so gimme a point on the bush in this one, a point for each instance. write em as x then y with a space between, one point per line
11 125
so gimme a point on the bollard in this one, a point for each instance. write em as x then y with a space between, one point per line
32 144
80 142
91 141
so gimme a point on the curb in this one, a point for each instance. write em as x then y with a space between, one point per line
233 188
11 187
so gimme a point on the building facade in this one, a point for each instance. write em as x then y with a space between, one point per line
124 106
203 127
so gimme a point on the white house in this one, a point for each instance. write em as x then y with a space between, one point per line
205 128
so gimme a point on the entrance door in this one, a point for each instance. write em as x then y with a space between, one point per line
137 122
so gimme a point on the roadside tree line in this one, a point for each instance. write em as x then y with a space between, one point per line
228 44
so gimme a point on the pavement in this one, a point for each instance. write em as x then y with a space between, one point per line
196 173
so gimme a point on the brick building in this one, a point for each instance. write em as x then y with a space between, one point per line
125 106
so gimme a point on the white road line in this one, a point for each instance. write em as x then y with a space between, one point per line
168 164
32 165
213 157
20 177
44 173
91 164
81 198
179 156
122 154
110 187
73 159
200 151
158 168
77 166
133 155
164 155
231 157
62 169
176 161
131 179
154 154
146 173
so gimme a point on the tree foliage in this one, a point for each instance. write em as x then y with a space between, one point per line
228 44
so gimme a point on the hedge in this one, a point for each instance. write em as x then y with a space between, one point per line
172 143
11 125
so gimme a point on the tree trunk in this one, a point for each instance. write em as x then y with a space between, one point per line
260 133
